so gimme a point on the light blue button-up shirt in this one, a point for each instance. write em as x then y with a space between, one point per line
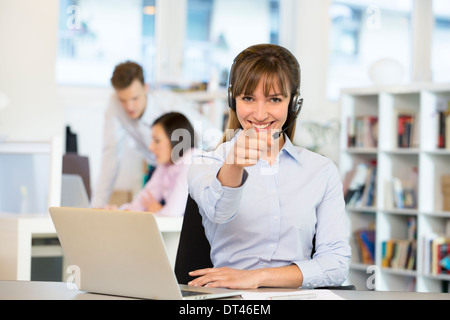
270 220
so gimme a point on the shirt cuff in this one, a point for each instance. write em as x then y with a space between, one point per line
225 201
312 273
314 276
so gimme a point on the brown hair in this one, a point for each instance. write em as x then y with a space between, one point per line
270 62
125 73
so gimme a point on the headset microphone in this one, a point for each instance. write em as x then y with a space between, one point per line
277 134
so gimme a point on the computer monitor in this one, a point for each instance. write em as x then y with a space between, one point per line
30 174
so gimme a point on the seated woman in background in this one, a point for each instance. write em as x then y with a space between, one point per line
166 192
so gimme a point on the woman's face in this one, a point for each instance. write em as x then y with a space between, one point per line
260 111
160 145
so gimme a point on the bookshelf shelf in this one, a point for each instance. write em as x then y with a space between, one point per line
362 150
362 209
396 130
411 151
406 212
401 272
442 152
441 214
444 277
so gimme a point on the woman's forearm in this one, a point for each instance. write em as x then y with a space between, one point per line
284 277
230 175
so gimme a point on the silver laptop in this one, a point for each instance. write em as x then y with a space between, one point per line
73 191
122 253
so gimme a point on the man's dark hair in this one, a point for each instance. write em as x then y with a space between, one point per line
125 73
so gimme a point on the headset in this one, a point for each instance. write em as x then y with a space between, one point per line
296 102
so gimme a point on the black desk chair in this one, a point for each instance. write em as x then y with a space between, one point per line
194 249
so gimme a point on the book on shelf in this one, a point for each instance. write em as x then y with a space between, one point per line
362 132
402 193
436 253
365 245
401 253
445 187
447 131
407 130
360 185
443 110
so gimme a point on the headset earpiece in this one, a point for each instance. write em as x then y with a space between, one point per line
296 103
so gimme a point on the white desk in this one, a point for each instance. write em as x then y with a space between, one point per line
37 290
17 231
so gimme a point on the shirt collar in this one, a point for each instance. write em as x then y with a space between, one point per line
147 115
292 150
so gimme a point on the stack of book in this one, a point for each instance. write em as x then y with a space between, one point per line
365 245
401 253
360 185
445 182
407 130
402 193
362 132
437 252
444 129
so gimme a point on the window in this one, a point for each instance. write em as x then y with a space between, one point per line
217 30
96 35
362 34
440 49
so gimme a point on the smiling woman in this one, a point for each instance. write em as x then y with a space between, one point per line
261 111
248 198
274 77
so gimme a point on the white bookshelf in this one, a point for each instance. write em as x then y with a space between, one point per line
387 103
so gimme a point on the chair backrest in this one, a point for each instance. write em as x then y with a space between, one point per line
193 249
76 164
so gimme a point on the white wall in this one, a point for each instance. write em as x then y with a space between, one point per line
255 24
304 31
28 40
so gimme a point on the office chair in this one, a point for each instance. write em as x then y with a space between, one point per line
194 250
75 164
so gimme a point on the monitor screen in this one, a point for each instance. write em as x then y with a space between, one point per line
29 177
